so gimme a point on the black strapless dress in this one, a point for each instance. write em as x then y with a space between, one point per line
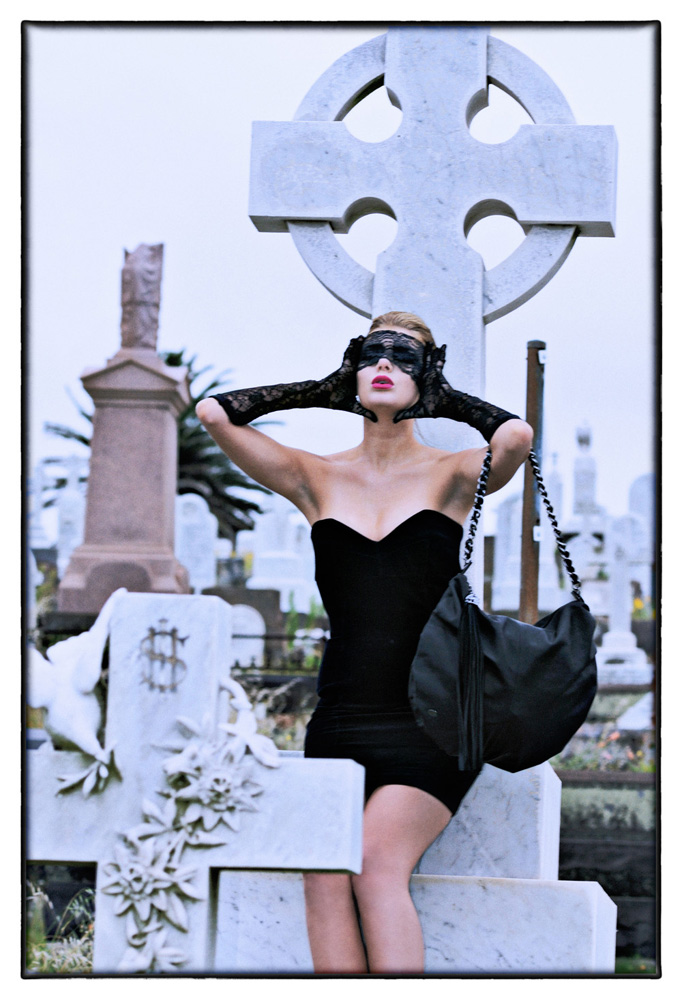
378 596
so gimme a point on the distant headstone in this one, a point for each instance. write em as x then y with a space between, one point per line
585 476
506 586
283 555
248 646
196 534
37 538
619 660
71 500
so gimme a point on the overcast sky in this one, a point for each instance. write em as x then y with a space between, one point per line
142 135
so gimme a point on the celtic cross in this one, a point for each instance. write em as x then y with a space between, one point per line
312 178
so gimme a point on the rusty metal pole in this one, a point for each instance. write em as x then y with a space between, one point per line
530 530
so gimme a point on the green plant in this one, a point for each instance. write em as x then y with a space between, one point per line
628 964
68 950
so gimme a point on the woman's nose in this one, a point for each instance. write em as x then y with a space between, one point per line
384 363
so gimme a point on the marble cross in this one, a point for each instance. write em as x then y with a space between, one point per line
311 177
169 657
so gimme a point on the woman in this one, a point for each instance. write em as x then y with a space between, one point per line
386 522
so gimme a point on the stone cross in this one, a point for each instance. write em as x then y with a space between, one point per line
169 658
311 177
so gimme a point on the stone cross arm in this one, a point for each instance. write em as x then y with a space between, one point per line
318 171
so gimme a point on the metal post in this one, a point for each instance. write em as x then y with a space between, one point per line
530 530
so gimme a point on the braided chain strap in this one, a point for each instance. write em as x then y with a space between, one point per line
476 514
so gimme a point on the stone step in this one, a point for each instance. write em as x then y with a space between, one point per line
470 925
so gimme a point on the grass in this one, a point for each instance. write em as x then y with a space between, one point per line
69 949
628 965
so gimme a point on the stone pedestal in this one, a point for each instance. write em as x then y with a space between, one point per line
129 522
621 661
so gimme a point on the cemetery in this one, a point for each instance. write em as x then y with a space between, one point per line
171 671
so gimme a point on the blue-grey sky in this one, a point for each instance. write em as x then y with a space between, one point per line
142 135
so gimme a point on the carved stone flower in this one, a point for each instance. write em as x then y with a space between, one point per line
146 882
217 794
154 955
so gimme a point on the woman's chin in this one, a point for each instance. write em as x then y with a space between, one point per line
386 408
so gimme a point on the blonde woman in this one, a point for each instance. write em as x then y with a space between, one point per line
386 521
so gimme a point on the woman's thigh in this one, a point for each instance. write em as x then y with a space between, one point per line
400 822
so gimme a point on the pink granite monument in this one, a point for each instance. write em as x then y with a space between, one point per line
129 521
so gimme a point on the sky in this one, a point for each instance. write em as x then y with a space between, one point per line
142 135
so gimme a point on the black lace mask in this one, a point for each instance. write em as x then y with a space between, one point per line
404 352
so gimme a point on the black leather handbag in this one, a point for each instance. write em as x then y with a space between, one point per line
488 688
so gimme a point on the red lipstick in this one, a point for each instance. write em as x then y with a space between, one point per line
382 380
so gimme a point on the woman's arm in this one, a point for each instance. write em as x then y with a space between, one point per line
288 471
510 438
510 445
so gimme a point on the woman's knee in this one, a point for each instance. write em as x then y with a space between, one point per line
381 878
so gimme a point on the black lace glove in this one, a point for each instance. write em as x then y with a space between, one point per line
438 399
335 392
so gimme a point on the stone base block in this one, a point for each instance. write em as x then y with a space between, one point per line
95 572
621 661
471 925
523 840
524 845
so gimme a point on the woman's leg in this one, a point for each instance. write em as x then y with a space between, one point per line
333 930
400 822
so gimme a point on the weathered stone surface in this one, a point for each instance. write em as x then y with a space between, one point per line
129 523
470 925
141 296
521 841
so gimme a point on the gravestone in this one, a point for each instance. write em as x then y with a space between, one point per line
506 584
37 537
132 484
619 660
283 555
70 512
169 660
312 178
196 535
248 644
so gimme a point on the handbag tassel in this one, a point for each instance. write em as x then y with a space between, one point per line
471 690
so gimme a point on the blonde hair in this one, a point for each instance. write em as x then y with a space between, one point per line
408 321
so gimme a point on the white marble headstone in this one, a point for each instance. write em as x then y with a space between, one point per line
196 532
